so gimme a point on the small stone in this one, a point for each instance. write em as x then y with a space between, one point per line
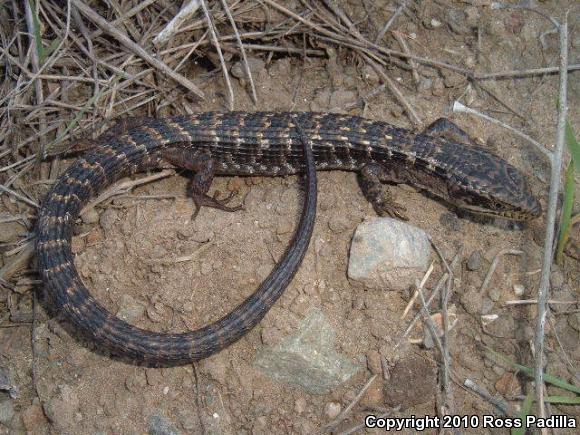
188 419
456 19
433 23
34 419
373 397
471 16
338 223
472 301
153 377
11 231
136 382
502 327
284 226
206 268
256 65
370 75
217 368
475 260
425 84
108 219
300 405
374 362
77 244
6 411
388 253
358 303
438 88
91 216
556 277
332 410
158 424
129 309
486 305
519 290
494 294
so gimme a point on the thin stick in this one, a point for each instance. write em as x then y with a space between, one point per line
494 264
389 23
135 48
186 12
351 405
401 40
416 292
435 292
525 73
18 196
552 209
460 108
124 187
535 301
218 48
242 51
501 406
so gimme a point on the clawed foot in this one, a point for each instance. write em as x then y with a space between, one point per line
387 207
203 200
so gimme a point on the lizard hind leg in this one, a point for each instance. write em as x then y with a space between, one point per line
203 166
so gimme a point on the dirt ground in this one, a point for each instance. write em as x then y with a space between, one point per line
144 259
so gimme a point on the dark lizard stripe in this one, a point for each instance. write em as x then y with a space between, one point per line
263 143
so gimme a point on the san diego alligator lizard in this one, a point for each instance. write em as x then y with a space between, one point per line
269 144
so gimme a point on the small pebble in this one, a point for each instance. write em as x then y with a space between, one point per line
91 216
256 65
332 409
494 294
300 405
374 362
472 301
519 290
475 260
438 88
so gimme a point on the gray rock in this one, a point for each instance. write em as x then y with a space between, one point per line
472 301
11 231
256 65
91 216
6 411
502 327
158 424
388 253
475 260
494 294
307 358
129 309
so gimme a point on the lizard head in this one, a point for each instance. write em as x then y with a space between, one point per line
502 191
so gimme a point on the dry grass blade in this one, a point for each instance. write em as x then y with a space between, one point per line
218 48
136 48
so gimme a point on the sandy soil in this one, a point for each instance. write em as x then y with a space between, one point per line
145 259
